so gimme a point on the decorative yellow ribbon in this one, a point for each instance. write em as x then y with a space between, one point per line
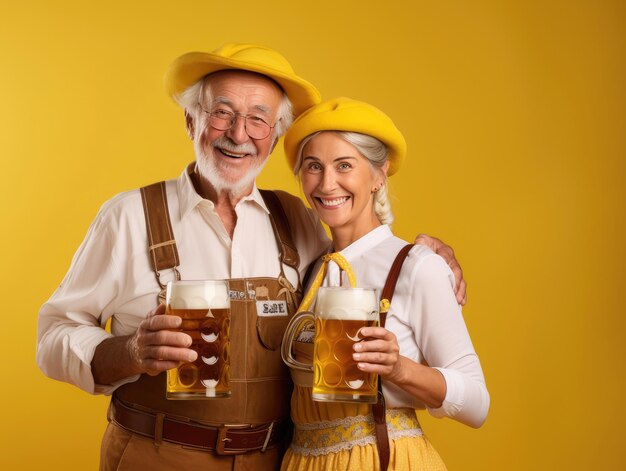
317 282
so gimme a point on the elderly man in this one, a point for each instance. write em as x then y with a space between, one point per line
210 223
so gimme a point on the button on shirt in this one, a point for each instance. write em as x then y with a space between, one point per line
426 320
110 276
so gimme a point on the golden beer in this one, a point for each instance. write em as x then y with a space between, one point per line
204 307
340 314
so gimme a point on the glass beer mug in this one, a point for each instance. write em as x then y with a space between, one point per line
204 307
339 315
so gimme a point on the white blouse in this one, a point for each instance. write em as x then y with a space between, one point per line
426 320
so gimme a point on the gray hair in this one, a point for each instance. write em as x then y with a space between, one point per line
376 153
189 100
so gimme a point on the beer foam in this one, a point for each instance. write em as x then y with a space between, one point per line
347 304
198 295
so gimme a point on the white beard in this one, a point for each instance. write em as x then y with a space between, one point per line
208 170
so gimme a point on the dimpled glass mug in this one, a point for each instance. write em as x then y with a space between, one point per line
340 314
204 307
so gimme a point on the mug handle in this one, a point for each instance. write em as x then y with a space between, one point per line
302 320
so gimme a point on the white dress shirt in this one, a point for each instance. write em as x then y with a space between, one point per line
111 278
426 320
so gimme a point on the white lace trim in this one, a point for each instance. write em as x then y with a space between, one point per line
353 419
303 450
307 449
409 433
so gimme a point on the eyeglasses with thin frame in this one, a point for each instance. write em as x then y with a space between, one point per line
222 120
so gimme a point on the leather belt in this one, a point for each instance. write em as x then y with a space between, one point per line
223 440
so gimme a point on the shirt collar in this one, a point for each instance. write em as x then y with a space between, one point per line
255 198
189 198
367 242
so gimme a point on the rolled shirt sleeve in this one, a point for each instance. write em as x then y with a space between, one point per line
466 400
71 322
446 344
426 320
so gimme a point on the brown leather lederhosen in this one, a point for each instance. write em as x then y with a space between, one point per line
255 417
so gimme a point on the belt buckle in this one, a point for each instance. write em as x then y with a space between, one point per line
223 440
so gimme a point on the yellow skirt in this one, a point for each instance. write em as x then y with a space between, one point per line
340 436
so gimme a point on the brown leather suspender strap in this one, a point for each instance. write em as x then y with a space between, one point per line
392 280
379 409
380 426
288 253
161 243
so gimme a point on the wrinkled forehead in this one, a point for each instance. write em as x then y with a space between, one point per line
243 85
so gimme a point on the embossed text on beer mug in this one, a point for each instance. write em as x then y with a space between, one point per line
204 307
340 313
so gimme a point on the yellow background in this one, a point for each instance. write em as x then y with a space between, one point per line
515 116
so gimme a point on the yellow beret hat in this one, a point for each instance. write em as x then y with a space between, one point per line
191 67
346 114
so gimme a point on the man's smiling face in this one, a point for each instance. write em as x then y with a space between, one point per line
230 160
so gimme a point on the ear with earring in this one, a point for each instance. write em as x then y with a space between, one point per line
376 188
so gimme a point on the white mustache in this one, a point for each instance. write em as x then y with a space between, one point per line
225 143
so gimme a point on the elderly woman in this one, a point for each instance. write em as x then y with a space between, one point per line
343 150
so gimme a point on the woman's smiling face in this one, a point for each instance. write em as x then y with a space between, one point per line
338 183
